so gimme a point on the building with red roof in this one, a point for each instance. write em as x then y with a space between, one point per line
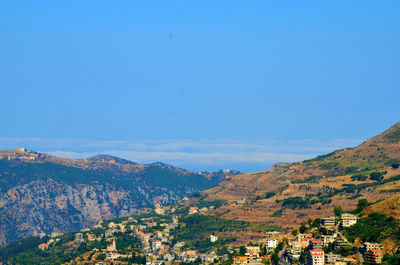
316 244
374 256
43 246
316 257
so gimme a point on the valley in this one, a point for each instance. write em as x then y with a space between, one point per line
342 206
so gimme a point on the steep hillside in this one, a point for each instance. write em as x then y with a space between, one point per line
287 194
389 206
40 193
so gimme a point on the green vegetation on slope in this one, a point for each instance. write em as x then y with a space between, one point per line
195 231
16 173
374 228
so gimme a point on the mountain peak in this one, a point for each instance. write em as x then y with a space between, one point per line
108 158
391 135
162 165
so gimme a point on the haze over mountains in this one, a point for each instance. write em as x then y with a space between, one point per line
40 193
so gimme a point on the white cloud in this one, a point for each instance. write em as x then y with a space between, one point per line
191 153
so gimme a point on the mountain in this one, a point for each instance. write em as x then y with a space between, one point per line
109 158
290 193
40 193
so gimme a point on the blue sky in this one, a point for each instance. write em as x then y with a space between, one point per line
200 84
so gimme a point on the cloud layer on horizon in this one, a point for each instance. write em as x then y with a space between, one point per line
203 154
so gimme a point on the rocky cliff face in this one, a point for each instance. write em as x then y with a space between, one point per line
47 206
48 194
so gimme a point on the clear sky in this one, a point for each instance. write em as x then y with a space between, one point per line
200 84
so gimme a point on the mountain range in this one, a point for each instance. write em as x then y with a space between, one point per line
41 194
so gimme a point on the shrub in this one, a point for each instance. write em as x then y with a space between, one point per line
359 177
295 203
338 211
378 176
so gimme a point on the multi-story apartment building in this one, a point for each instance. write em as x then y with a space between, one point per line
374 256
326 239
366 246
316 244
273 234
271 243
348 220
315 257
328 222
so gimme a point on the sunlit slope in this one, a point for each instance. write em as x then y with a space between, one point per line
287 194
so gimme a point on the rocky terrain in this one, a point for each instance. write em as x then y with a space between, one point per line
41 194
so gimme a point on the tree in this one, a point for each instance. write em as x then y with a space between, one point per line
323 230
266 262
338 211
303 256
274 258
378 176
242 250
295 232
303 228
362 204
392 259
280 246
316 222
101 256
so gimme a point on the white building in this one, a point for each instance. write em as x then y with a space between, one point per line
159 210
348 220
213 238
316 257
157 243
271 243
79 238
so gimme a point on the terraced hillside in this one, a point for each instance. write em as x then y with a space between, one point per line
288 194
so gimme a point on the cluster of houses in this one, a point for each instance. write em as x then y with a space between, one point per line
85 235
195 209
156 242
316 254
253 253
155 238
346 220
158 247
371 252
20 154
53 240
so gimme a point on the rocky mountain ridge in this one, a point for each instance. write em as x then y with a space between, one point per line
40 193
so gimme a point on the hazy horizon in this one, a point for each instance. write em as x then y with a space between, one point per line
195 155
200 85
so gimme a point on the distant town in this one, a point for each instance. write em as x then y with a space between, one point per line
317 242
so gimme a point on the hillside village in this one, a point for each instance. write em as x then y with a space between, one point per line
335 209
152 239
